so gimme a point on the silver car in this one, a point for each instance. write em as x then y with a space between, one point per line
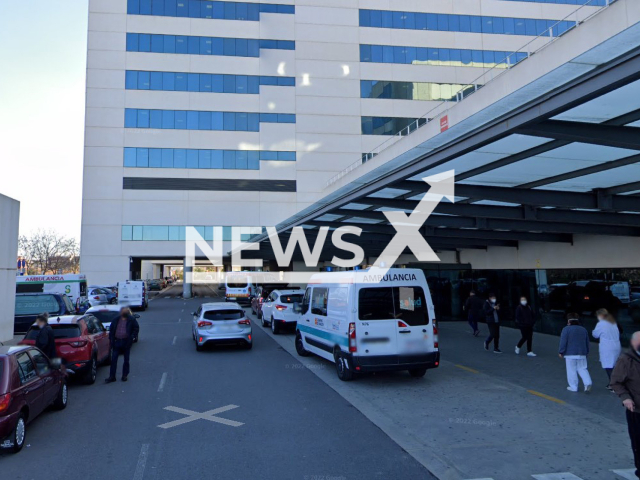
221 323
97 296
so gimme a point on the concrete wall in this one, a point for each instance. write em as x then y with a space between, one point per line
9 221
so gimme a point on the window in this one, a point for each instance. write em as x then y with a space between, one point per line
291 298
205 9
217 315
390 125
26 369
407 304
194 120
319 299
42 363
411 90
35 304
92 328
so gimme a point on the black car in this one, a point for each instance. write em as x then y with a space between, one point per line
30 305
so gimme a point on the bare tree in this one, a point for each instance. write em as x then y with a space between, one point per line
46 251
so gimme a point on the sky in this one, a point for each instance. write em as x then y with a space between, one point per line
43 48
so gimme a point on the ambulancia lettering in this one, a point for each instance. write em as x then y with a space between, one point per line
395 277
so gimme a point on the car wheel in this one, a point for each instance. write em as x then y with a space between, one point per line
113 301
275 327
417 372
199 348
343 366
60 402
303 352
92 373
19 433
264 323
260 316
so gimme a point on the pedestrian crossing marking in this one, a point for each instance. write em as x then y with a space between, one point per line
629 474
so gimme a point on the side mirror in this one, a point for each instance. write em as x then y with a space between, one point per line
56 363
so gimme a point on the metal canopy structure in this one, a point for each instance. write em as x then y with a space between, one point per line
565 164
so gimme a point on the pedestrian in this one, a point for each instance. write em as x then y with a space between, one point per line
625 382
490 310
473 307
574 348
525 320
45 341
121 334
609 335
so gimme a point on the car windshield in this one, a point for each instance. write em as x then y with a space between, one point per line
106 316
35 304
223 315
59 331
296 298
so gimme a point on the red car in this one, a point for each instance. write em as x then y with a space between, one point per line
82 343
29 383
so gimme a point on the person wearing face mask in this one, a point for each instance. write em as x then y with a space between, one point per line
525 320
574 348
609 335
490 311
625 382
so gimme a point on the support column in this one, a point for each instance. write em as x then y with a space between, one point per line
187 291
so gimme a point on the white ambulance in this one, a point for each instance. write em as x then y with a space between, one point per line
134 294
239 287
73 286
365 322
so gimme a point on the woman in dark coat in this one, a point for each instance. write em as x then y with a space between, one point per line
45 340
525 320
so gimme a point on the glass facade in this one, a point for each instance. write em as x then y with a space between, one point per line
233 47
593 3
176 233
413 90
389 125
202 82
195 120
444 22
551 293
449 57
201 159
205 9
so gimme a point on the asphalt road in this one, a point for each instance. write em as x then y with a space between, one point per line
293 425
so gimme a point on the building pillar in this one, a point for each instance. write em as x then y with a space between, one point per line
187 291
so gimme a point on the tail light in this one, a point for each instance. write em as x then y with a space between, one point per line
249 290
5 401
280 308
402 324
435 334
352 338
586 297
204 323
96 298
78 344
244 321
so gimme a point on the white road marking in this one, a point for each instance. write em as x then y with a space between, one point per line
628 474
162 382
174 340
179 320
142 462
193 416
556 476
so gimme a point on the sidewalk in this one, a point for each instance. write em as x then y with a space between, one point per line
13 341
489 416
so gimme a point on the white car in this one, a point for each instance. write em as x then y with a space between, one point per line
277 309
221 323
107 314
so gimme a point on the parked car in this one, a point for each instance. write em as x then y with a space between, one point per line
29 383
30 305
277 309
262 292
221 323
82 343
107 314
154 285
111 294
97 296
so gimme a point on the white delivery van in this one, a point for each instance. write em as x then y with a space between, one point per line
73 286
133 293
239 287
365 324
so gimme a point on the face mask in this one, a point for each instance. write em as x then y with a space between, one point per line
493 300
523 302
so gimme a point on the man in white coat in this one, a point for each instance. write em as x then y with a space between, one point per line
608 333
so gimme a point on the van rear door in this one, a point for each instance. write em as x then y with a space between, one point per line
415 331
376 328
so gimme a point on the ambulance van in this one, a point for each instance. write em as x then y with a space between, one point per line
366 322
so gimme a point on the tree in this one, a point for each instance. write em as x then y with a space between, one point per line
48 252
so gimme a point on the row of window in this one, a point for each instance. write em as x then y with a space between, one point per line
202 82
592 3
445 22
177 233
195 120
232 47
205 9
413 90
452 57
390 125
201 159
